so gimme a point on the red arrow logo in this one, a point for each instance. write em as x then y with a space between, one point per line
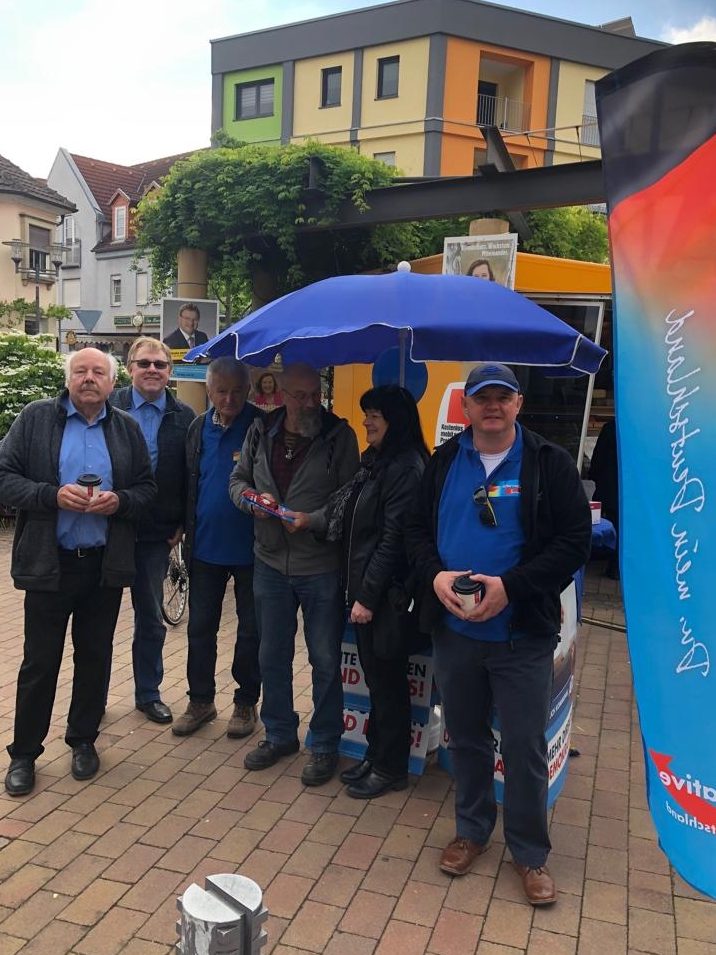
686 792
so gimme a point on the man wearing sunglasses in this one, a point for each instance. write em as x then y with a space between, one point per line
503 505
164 422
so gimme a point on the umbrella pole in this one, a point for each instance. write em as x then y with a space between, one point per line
401 368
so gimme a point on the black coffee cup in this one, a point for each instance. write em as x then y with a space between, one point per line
90 481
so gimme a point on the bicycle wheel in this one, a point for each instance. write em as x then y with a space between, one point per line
176 587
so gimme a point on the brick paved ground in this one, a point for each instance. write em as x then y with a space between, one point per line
94 868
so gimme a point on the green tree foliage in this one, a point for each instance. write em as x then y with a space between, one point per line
30 368
573 232
242 204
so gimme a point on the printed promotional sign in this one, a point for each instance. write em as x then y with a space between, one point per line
488 257
451 418
657 121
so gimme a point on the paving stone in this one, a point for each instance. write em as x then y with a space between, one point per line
547 943
456 933
337 885
696 920
57 938
605 901
387 875
309 859
358 851
23 884
313 926
598 938
508 923
403 938
91 904
28 920
112 933
285 895
367 914
420 903
652 932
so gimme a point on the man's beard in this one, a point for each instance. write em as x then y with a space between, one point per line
309 422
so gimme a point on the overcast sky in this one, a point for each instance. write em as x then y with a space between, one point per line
130 80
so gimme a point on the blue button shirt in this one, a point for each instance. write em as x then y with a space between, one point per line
464 542
83 451
148 415
223 534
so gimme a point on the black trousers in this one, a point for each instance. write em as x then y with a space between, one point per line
94 611
388 732
472 675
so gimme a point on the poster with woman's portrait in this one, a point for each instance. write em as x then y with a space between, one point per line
488 257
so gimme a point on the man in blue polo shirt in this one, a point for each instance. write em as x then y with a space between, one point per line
219 545
506 507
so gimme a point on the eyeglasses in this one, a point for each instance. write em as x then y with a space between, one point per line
302 397
159 363
487 513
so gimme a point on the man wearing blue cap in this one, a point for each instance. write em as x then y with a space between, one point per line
507 508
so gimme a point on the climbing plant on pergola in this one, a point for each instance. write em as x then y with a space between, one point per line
242 204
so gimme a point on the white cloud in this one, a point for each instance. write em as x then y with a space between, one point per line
703 29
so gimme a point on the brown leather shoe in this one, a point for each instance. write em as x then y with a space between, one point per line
538 884
457 858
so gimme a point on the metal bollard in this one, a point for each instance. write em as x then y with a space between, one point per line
224 918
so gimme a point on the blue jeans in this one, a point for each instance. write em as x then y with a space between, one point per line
278 598
206 596
152 561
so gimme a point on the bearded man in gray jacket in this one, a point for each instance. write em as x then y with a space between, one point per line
298 456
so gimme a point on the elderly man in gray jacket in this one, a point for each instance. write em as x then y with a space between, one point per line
298 456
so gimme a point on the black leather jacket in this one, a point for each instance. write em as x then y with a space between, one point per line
373 540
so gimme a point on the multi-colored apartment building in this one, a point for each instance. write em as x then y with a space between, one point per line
413 82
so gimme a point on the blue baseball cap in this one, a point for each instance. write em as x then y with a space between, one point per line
490 373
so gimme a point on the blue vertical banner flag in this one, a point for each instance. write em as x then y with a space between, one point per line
657 121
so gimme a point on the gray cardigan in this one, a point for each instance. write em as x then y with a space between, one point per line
29 481
331 460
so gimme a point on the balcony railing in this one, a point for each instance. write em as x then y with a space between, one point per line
589 131
500 111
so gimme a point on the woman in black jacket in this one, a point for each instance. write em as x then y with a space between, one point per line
367 515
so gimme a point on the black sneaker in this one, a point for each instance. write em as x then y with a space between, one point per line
267 753
319 769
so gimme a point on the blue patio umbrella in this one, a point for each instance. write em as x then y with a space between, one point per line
355 318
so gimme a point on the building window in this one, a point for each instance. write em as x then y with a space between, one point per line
39 248
120 223
71 293
142 288
254 99
590 128
331 86
387 158
388 74
68 230
115 290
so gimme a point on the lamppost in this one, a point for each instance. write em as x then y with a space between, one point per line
55 252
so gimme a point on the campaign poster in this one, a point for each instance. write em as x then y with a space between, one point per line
657 122
489 257
187 323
